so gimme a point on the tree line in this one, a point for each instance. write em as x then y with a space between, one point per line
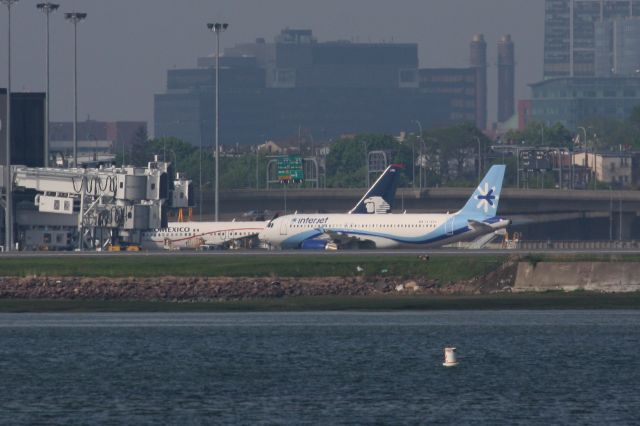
447 156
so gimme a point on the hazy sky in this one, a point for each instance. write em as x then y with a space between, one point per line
126 46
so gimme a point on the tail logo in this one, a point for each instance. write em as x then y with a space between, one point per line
377 205
486 197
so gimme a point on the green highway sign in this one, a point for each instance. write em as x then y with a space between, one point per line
290 168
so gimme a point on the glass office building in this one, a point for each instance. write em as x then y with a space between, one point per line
571 101
570 33
269 90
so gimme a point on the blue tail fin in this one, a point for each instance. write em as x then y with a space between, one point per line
381 196
484 201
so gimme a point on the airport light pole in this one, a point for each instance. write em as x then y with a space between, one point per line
164 156
479 159
414 158
595 161
586 154
257 165
200 179
620 215
366 164
74 18
8 188
48 8
610 214
175 160
585 135
217 28
413 164
425 169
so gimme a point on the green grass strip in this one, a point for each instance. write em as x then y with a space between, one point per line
446 269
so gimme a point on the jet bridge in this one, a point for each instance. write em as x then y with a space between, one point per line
87 208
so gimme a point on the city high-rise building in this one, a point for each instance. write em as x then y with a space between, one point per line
27 128
459 87
272 89
591 62
506 79
478 60
617 47
570 33
121 134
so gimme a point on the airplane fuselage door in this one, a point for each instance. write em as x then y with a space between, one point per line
284 227
450 225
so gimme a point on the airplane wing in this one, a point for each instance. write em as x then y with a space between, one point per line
343 239
238 241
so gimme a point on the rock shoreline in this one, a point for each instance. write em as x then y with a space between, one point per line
225 288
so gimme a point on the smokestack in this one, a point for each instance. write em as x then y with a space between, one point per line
478 60
506 78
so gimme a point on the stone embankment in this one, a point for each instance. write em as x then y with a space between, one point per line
608 277
512 276
220 288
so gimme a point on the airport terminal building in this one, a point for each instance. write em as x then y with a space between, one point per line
270 90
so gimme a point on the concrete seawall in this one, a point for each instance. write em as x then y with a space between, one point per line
570 276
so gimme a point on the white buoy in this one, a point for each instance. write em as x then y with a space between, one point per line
450 357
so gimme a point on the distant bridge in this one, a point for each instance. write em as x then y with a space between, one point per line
512 201
543 213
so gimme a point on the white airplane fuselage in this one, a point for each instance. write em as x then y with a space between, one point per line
384 231
185 235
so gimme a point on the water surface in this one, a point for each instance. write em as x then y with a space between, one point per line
517 367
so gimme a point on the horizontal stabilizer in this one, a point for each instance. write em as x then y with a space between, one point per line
483 240
479 225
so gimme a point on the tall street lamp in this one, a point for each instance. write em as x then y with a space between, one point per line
74 18
8 219
420 156
595 160
413 154
217 28
48 8
366 164
479 159
200 177
586 152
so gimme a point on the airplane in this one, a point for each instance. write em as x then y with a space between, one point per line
198 235
338 231
379 199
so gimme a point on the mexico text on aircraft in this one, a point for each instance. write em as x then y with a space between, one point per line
329 231
180 235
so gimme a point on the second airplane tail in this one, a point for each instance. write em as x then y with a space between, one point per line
381 196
